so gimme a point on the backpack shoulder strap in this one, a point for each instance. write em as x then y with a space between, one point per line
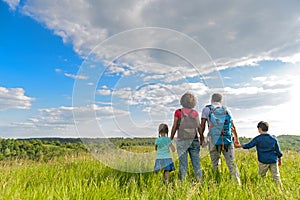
185 115
213 108
182 113
179 119
191 111
209 106
225 108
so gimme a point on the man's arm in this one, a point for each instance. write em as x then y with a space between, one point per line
202 124
236 140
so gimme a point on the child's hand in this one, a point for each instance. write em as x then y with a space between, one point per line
279 162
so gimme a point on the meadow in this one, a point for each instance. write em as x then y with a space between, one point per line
84 177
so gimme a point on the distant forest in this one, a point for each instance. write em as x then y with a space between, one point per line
44 149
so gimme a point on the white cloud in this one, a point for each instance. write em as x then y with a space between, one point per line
226 32
242 33
104 92
81 77
158 96
259 78
276 82
263 91
123 93
13 4
57 70
64 115
242 91
59 122
14 98
233 33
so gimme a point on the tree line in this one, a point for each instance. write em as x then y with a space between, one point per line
48 148
38 149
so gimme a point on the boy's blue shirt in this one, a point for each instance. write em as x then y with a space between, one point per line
163 147
267 147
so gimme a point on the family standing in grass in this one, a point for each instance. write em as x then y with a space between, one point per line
222 138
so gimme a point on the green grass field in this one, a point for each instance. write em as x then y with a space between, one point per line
84 177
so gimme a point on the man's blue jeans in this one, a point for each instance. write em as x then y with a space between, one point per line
191 147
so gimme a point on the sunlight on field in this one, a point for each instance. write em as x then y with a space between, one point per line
139 149
84 177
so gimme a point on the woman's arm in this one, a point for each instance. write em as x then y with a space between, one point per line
172 147
174 128
199 128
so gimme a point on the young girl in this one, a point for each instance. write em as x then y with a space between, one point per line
163 156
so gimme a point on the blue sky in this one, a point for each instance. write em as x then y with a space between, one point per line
120 68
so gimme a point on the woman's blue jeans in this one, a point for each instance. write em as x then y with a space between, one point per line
191 147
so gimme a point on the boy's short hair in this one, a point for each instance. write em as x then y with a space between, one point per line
216 97
263 125
188 100
163 128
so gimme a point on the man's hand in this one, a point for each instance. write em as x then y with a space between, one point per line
237 144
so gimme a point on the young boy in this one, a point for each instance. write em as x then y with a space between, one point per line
268 151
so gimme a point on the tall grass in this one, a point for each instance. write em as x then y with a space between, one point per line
84 177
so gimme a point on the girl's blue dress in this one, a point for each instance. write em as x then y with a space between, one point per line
163 156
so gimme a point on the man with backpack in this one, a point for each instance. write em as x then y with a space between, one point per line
222 135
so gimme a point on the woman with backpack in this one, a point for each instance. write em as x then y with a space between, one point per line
187 124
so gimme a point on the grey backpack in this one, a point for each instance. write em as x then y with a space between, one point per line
187 126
